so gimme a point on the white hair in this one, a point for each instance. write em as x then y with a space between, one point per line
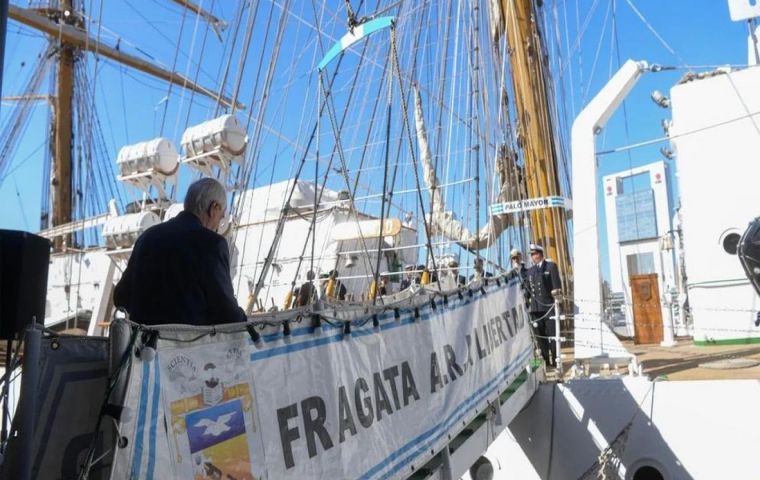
202 194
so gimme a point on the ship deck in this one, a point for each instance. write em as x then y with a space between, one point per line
686 361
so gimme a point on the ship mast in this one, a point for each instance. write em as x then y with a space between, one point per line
61 181
65 26
526 54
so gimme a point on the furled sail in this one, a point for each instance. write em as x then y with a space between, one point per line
442 221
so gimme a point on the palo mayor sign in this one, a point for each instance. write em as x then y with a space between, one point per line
374 404
530 204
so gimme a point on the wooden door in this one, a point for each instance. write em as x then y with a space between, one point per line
647 312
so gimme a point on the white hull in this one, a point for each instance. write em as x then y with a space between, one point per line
685 429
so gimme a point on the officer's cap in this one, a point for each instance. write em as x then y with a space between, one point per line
534 247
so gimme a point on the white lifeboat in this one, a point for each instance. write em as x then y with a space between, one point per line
158 155
221 135
213 146
123 231
149 164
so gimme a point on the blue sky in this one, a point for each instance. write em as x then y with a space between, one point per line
131 106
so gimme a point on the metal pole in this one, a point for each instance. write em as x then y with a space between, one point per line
3 29
557 337
4 396
753 39
28 406
446 473
668 334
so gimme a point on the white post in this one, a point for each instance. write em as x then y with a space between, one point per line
668 339
591 332
557 336
101 313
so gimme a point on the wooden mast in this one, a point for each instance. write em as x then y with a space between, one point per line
526 54
61 181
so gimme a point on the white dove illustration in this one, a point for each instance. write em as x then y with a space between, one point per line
217 427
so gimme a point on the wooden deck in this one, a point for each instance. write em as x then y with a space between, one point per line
685 361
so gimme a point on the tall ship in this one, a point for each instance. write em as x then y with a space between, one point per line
391 158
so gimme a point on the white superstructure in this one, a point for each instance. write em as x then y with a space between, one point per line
716 138
338 245
639 240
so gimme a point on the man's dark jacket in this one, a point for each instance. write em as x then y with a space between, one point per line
541 281
179 272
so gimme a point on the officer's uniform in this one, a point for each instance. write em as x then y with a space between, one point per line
542 280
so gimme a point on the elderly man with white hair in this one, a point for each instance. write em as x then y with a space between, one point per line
544 284
179 270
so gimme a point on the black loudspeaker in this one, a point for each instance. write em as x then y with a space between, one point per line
24 262
748 251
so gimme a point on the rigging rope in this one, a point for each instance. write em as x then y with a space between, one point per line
20 116
343 167
244 52
429 254
654 32
186 74
174 66
286 205
313 226
337 147
226 69
275 161
281 221
198 71
381 237
678 135
581 32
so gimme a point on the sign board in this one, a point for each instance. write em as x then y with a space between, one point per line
530 204
741 10
371 404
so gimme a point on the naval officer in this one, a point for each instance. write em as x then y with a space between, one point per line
543 284
518 265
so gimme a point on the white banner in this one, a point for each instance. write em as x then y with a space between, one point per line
376 404
209 410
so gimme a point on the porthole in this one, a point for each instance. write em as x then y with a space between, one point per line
647 472
730 242
482 469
